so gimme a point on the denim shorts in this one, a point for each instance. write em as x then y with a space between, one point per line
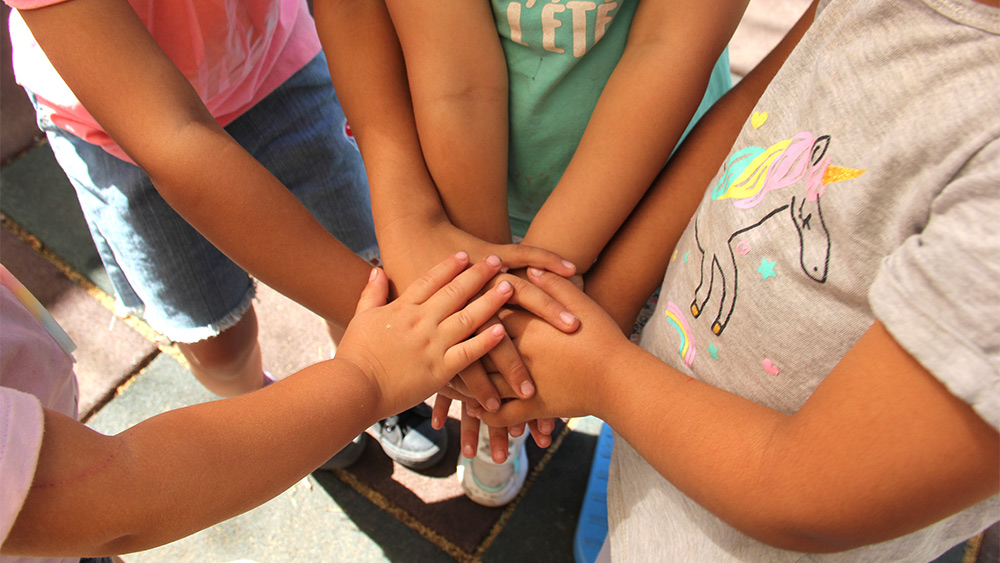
162 269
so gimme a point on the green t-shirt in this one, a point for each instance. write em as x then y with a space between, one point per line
559 57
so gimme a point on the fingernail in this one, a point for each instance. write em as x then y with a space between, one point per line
462 255
373 274
546 426
567 317
493 405
534 272
493 260
505 287
499 455
569 264
468 451
527 389
436 423
497 329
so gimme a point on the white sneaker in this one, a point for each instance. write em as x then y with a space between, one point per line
489 483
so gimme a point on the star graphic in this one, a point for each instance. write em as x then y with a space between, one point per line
766 269
713 351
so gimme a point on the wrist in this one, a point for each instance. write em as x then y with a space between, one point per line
369 393
614 381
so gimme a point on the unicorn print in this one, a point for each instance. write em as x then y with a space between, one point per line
747 177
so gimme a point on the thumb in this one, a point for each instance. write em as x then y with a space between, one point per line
563 290
375 292
511 413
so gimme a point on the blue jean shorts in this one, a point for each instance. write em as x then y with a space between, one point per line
162 269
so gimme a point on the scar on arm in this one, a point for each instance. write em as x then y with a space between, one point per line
97 467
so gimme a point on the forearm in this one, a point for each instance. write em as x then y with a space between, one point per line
366 64
249 215
880 450
149 108
167 477
642 112
458 82
665 210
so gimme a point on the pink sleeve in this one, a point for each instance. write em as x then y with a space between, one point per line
29 4
21 425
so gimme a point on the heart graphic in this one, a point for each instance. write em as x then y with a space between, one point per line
758 118
769 367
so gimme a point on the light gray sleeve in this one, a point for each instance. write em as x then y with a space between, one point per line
938 293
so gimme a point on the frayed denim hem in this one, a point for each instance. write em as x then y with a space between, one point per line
197 334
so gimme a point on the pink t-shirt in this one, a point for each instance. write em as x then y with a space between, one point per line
35 371
234 53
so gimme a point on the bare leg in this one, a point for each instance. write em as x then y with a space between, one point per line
228 364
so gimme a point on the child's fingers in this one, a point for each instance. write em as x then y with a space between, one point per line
439 415
375 292
474 382
437 277
561 289
508 362
456 293
510 414
463 354
499 441
469 434
541 431
532 298
459 391
474 315
521 256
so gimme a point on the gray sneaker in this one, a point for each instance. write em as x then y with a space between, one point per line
347 456
409 439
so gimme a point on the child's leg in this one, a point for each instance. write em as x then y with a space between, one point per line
164 270
228 364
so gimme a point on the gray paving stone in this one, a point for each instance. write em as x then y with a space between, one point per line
107 352
318 519
17 118
543 526
35 194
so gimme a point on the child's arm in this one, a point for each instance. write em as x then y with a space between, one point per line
881 449
629 268
107 57
371 81
457 79
166 477
642 112
412 226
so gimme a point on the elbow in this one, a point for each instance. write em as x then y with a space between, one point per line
799 520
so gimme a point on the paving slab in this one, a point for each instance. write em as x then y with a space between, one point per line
35 194
17 118
107 352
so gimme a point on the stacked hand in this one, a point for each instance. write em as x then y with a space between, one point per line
415 345
475 386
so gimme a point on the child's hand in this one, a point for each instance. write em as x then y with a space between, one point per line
413 346
570 371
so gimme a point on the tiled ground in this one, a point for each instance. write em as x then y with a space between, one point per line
375 511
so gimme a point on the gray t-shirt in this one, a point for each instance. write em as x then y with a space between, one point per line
865 186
